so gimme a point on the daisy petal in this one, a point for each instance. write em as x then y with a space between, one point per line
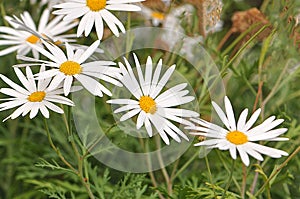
87 53
242 120
230 114
244 155
130 114
252 120
148 127
232 150
221 115
140 119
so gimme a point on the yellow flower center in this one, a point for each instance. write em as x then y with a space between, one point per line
237 137
70 68
96 5
147 104
33 39
37 96
158 15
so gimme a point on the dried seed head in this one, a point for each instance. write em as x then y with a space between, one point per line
208 12
243 20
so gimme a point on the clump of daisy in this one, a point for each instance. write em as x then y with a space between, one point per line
25 32
152 106
32 97
94 12
240 136
66 68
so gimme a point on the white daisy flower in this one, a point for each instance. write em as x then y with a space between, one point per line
240 136
156 17
153 106
94 12
19 40
32 98
66 68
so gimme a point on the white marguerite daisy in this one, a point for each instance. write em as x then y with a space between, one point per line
240 136
94 12
153 106
156 17
33 97
19 40
66 68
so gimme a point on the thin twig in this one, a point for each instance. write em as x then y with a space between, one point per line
244 180
297 150
243 47
56 149
255 179
225 38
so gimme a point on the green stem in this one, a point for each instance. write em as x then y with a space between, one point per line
185 165
68 123
99 139
229 179
84 180
228 170
224 68
10 169
162 165
175 169
210 176
297 150
264 5
277 85
149 165
56 149
238 39
3 13
80 159
243 47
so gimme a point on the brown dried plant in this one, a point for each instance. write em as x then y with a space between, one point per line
208 12
296 37
242 21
